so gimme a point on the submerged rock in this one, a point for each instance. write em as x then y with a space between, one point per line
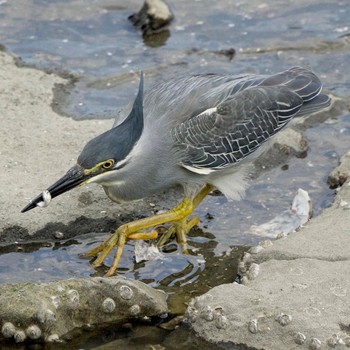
50 311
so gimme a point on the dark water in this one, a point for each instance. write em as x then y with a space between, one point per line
94 41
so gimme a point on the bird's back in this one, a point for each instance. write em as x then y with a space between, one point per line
217 122
185 97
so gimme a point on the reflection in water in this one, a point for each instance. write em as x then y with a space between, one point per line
156 39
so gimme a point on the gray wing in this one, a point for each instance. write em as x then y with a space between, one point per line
255 108
226 134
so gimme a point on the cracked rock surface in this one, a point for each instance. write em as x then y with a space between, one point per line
296 289
51 311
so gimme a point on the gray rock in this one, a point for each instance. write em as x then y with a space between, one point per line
299 299
341 173
50 311
279 309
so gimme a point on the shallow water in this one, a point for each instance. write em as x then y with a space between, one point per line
94 41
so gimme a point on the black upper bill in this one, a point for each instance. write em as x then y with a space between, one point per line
74 177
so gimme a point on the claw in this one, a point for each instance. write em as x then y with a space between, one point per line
178 216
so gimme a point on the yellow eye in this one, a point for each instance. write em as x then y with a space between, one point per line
108 164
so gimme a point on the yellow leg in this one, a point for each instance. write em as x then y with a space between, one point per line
132 230
180 229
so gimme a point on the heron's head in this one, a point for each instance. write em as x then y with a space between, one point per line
102 155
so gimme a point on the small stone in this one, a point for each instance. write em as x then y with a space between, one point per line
33 332
108 305
8 330
315 344
58 235
19 336
253 326
207 313
283 319
53 338
74 298
221 322
126 292
299 338
134 310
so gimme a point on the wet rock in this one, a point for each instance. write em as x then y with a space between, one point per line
49 311
341 173
279 309
154 17
300 296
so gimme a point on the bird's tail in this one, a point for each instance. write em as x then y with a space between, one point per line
316 104
307 85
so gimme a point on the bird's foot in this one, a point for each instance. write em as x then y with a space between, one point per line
179 229
134 230
117 239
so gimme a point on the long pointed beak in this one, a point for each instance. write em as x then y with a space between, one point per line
74 177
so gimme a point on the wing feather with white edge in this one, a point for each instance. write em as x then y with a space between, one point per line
223 136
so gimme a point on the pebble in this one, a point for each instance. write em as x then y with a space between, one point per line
253 326
315 344
33 332
134 310
108 305
58 235
126 292
8 330
20 336
299 338
284 319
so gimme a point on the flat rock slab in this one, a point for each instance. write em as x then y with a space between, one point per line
51 311
295 294
291 305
